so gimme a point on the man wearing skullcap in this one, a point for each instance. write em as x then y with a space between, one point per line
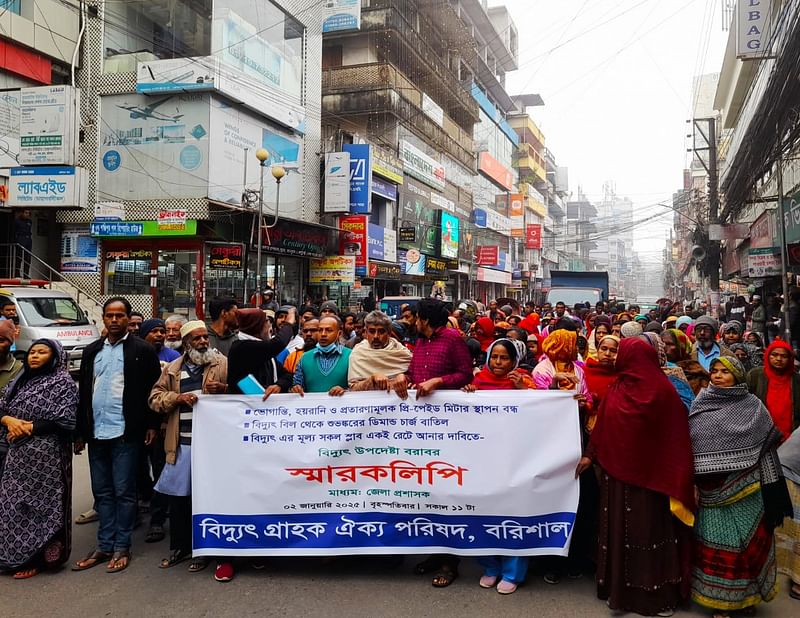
631 329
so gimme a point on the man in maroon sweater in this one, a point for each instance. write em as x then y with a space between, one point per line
441 360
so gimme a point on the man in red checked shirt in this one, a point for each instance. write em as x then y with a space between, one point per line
441 360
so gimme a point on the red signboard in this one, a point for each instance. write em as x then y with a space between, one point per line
533 236
353 240
488 255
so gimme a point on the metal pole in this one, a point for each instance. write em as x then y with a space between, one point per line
787 329
245 269
713 214
258 246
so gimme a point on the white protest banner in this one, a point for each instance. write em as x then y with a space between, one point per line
483 473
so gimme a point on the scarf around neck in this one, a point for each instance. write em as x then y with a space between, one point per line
729 428
779 389
389 361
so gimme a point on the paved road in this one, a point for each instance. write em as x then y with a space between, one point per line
287 588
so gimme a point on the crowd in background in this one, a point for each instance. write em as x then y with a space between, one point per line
689 480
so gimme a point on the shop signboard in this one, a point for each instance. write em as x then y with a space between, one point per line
294 238
341 15
375 242
378 270
765 262
753 28
48 125
109 211
418 211
488 218
761 232
337 182
791 218
408 235
533 236
412 262
9 128
435 267
389 245
489 275
45 186
79 251
384 189
421 166
125 229
495 171
353 240
449 235
332 269
172 219
387 166
516 212
226 256
360 177
488 255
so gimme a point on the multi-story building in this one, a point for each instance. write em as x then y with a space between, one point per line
36 49
421 86
613 247
176 98
581 233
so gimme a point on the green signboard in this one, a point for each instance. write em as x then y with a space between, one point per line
142 229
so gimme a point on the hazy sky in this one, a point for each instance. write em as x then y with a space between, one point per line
617 94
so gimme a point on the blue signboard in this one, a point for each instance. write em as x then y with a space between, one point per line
360 178
384 189
117 228
375 242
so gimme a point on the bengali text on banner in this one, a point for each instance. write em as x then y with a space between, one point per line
480 473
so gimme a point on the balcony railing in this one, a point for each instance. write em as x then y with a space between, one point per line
414 53
381 87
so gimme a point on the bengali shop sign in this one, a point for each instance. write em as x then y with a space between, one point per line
368 473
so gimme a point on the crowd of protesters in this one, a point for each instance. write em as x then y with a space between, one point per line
689 479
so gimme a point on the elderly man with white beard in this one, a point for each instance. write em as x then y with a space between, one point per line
380 361
200 369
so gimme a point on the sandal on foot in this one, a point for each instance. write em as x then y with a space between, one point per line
794 591
429 565
488 581
444 577
91 560
506 587
175 558
26 574
198 564
552 578
155 534
119 562
666 613
87 517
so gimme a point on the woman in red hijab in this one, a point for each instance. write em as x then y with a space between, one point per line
642 445
778 386
484 332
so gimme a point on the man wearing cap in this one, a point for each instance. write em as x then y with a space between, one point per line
117 373
706 349
683 323
154 332
201 369
328 308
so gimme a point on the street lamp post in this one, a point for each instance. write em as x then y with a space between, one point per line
278 172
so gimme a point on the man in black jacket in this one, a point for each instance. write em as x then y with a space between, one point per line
116 377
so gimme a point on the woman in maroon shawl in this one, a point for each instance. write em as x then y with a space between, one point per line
641 444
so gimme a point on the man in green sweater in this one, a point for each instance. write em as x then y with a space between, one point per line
323 369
